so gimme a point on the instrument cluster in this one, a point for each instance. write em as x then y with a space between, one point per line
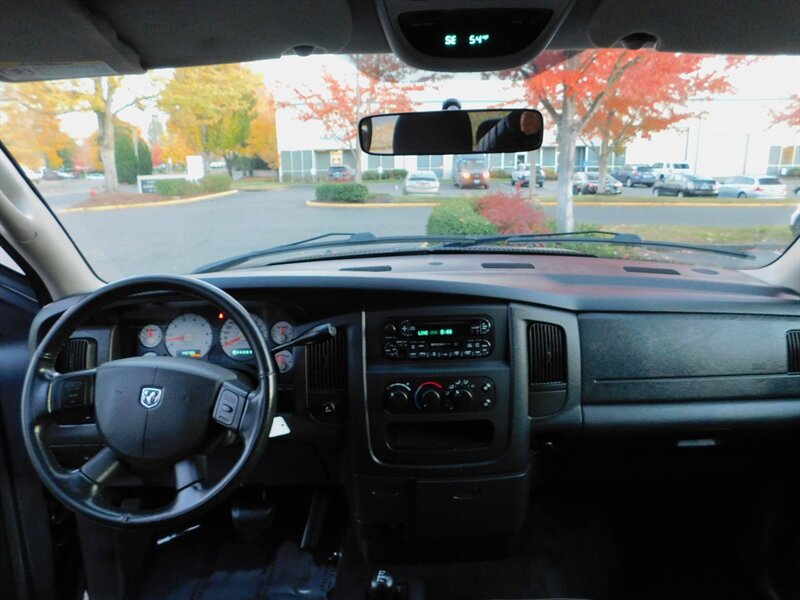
211 335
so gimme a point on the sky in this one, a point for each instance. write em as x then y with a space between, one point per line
771 80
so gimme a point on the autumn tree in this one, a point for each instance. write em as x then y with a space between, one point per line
263 139
211 110
790 116
571 85
30 126
343 101
652 96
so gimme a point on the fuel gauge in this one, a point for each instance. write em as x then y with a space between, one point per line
285 361
150 336
281 332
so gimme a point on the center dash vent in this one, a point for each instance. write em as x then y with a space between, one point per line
77 354
547 349
793 350
327 379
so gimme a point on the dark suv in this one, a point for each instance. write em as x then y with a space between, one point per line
471 172
340 173
633 175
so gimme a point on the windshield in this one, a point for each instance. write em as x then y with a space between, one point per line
178 168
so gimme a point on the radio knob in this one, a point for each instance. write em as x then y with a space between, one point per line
462 398
398 396
428 395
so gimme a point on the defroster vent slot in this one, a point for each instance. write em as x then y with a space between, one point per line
793 350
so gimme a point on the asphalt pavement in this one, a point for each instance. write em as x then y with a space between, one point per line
179 238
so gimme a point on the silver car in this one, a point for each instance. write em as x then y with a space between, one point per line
752 186
421 182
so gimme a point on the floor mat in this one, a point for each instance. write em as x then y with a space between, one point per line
208 565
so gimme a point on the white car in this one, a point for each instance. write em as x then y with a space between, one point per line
662 169
421 182
763 187
33 174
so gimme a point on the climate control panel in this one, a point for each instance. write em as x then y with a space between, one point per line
440 395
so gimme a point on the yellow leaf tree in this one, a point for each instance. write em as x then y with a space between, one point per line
210 110
30 126
263 139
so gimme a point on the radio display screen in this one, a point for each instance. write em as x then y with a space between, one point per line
438 330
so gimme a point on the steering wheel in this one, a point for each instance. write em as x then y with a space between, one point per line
153 414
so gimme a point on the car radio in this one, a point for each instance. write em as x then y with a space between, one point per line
438 338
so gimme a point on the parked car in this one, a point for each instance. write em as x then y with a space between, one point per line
662 169
752 186
680 185
95 176
589 183
216 164
794 220
471 172
421 182
633 175
340 173
522 175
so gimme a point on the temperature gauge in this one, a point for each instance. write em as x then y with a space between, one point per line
150 336
281 332
285 361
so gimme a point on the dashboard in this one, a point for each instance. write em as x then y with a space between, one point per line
453 383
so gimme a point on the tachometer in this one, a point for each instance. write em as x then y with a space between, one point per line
150 336
188 336
282 332
232 341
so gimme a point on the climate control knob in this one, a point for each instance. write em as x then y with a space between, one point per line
428 395
397 396
462 398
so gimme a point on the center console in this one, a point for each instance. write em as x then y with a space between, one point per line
440 450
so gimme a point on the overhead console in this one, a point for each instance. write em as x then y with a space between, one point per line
443 35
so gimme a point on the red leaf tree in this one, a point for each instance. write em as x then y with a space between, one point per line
653 95
577 88
791 116
341 102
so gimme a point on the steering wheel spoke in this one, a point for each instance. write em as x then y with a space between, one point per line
102 467
64 393
190 471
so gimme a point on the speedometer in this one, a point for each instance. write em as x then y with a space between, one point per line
188 336
232 341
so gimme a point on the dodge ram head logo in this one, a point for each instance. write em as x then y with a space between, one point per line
150 397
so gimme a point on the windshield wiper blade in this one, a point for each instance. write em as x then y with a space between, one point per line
580 237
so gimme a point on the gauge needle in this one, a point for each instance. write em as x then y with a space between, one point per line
176 339
233 341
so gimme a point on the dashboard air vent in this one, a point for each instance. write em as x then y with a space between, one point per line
548 354
793 343
547 349
76 355
506 265
327 379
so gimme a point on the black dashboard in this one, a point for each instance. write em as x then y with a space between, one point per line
449 380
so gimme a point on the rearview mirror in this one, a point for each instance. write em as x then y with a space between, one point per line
452 132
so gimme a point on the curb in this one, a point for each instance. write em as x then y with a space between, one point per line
315 204
682 204
148 204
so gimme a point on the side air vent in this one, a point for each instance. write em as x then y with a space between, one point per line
793 348
327 379
547 348
76 355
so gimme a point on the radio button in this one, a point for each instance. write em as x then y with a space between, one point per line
389 329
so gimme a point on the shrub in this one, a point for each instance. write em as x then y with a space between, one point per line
176 187
511 213
458 217
501 174
342 192
395 174
370 175
215 183
550 174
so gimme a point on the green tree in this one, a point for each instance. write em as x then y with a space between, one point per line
130 160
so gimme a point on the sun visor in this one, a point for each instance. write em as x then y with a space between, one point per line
41 39
699 26
451 35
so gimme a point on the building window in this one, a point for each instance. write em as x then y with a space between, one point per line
431 163
376 162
